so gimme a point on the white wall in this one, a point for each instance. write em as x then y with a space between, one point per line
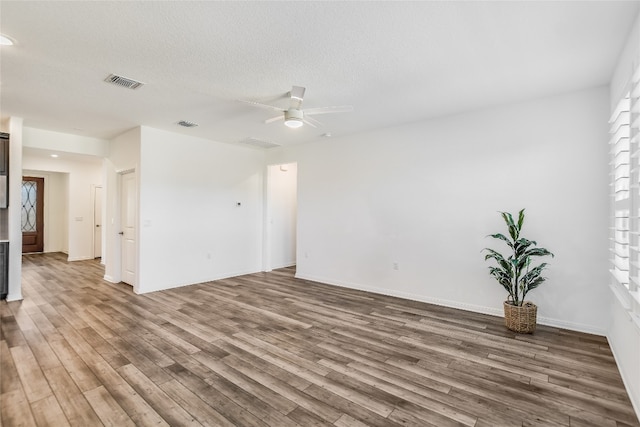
624 339
191 228
56 209
629 58
82 174
14 126
424 196
281 221
51 141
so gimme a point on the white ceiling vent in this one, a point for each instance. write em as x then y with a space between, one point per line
258 143
123 81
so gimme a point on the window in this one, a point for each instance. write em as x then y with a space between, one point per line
621 203
625 196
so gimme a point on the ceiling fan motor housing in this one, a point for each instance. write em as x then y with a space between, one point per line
293 118
293 114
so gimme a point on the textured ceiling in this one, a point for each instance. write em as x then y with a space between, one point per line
395 62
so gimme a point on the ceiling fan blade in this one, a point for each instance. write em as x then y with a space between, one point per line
271 99
297 95
327 110
275 119
260 105
312 122
307 121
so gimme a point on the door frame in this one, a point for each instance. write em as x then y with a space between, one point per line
40 209
270 200
118 227
94 187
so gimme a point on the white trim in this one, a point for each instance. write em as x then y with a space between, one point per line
629 383
547 321
622 296
79 258
199 281
94 187
17 296
124 171
625 380
285 265
109 279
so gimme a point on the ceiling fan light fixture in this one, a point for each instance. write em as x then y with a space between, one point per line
293 123
293 118
5 41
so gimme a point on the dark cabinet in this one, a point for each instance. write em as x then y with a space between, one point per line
4 203
4 269
4 170
4 153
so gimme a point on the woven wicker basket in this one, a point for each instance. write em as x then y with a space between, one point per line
520 319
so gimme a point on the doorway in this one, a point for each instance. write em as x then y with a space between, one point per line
32 215
281 216
97 221
128 215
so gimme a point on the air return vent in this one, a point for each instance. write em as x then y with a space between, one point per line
187 124
123 82
258 143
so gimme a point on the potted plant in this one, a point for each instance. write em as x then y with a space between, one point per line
516 274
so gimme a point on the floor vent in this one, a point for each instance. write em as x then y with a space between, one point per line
123 82
258 143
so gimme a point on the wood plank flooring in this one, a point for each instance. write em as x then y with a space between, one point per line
270 350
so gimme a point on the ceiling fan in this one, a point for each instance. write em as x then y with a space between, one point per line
295 116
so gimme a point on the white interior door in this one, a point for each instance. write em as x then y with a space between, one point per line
128 214
97 220
281 228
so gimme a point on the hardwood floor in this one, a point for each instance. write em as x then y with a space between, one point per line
270 350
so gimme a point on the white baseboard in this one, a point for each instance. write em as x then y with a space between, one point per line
110 279
198 281
556 323
284 265
16 296
80 258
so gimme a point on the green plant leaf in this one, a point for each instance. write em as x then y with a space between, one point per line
513 271
521 246
502 237
537 252
492 254
514 231
520 219
502 277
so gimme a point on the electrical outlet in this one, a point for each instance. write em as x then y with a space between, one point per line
396 266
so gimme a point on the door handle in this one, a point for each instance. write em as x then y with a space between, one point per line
121 233
97 225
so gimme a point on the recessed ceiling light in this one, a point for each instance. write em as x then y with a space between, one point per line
5 41
55 156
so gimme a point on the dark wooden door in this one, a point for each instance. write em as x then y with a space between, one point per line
32 214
